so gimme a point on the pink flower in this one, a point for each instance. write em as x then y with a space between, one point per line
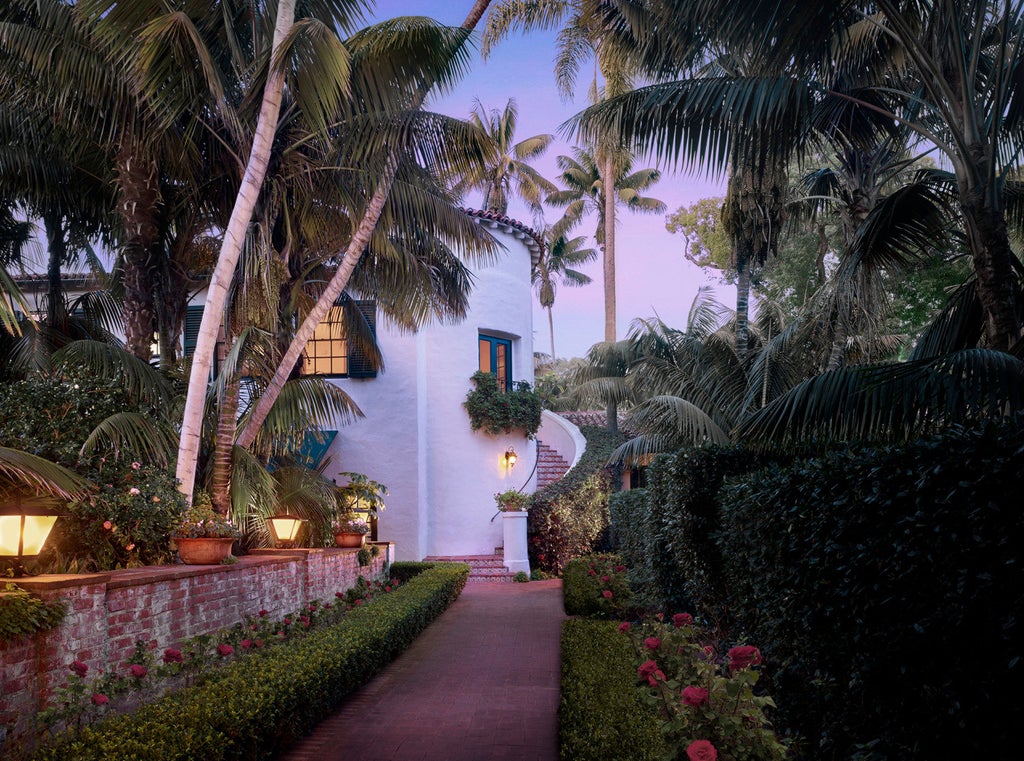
129 547
108 525
606 579
660 616
138 671
245 644
620 568
172 656
743 656
80 668
387 589
339 595
709 652
701 750
225 649
304 620
136 465
264 613
134 491
99 699
694 696
680 620
287 621
624 627
652 643
258 643
359 601
607 594
646 669
591 572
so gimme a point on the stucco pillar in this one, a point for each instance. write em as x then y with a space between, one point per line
515 554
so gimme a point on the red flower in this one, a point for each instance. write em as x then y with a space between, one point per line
701 750
304 620
339 595
660 616
606 579
359 601
694 696
99 699
652 643
225 649
624 627
80 668
172 656
245 644
264 613
682 619
646 669
620 568
287 621
591 572
743 656
608 594
258 643
387 589
138 671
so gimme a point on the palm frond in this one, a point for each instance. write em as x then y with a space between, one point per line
134 435
24 471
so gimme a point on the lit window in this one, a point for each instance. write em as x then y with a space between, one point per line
327 352
496 359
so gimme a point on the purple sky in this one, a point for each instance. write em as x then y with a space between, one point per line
653 276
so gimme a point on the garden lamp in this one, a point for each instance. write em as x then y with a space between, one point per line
24 528
285 528
510 457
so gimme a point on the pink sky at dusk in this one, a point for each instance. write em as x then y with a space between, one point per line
653 277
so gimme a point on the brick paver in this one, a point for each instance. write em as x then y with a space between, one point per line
480 684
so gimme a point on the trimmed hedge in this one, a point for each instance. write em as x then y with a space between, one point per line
584 581
630 515
886 590
601 714
569 518
257 707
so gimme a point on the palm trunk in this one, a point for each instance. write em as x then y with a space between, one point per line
551 329
234 235
56 245
339 281
742 299
223 451
608 183
992 256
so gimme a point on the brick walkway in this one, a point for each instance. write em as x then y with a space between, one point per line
480 684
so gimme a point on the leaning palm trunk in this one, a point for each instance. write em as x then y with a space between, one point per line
334 289
234 235
223 448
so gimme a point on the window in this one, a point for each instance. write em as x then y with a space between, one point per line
327 352
190 335
496 359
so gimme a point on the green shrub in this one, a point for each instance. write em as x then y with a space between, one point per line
404 570
521 577
595 586
22 615
887 586
497 411
601 716
255 708
630 534
569 518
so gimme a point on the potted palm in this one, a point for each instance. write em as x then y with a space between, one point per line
358 502
204 537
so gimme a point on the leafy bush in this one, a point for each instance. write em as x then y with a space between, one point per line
887 586
595 586
254 708
630 534
22 615
569 518
497 411
601 716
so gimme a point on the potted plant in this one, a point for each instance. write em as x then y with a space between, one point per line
204 537
513 505
358 502
512 501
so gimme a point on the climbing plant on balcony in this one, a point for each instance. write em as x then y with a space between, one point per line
496 411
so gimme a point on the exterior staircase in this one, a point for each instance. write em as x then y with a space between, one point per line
481 567
551 466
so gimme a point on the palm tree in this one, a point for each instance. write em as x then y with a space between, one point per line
585 193
506 173
556 262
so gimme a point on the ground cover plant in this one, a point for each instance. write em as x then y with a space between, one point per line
254 707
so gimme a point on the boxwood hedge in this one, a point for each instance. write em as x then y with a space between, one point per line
254 708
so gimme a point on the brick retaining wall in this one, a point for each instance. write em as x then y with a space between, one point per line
165 605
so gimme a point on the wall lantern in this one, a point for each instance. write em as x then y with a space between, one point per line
285 528
24 528
510 457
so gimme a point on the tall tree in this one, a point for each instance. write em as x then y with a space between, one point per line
507 173
557 260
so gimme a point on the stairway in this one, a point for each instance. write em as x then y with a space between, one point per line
551 466
481 567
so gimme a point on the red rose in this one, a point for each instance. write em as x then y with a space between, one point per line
358 601
654 678
624 627
701 750
660 616
225 649
680 620
647 668
258 643
264 613
138 671
606 579
743 656
652 643
620 568
99 699
608 594
592 572
287 621
172 656
245 644
694 696
80 668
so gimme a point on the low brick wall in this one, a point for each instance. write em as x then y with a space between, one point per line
165 605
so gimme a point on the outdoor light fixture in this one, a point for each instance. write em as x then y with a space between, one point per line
285 528
510 457
24 528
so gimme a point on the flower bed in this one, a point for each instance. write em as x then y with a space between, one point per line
254 708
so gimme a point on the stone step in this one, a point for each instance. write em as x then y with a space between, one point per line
481 567
551 466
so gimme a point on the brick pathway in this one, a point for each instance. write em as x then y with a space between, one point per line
480 684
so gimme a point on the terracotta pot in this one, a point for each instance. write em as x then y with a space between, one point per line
349 539
203 550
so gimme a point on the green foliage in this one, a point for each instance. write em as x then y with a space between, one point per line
200 520
404 570
569 518
494 411
601 716
255 708
522 577
512 501
706 242
629 535
364 557
595 586
884 586
22 615
360 495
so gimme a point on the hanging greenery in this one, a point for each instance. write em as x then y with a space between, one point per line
496 411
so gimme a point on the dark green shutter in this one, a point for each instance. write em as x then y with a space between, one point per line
190 335
359 365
